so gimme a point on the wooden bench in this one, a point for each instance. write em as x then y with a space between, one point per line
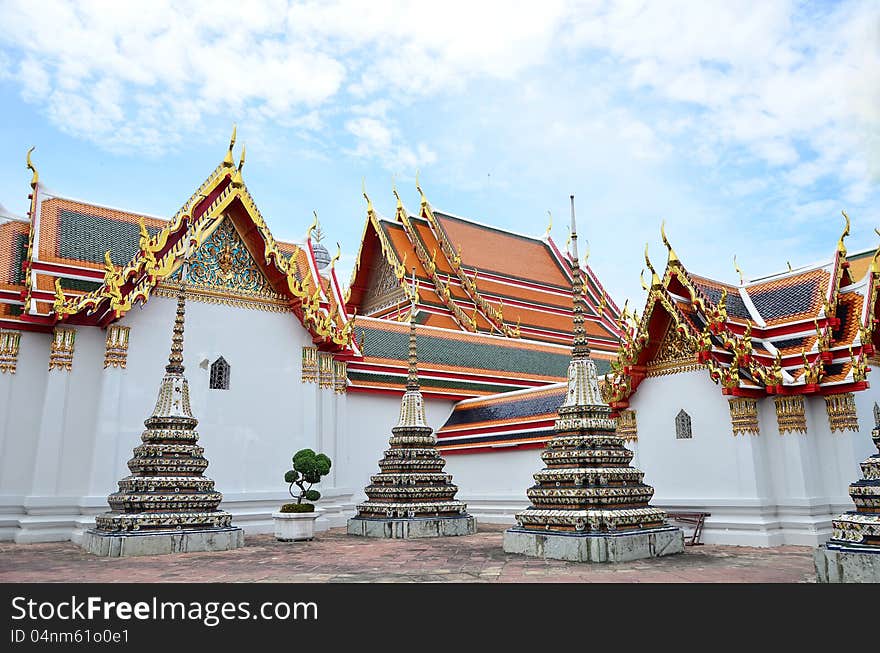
696 520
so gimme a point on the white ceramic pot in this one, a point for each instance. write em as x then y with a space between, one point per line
295 526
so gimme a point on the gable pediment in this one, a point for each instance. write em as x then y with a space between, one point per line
222 267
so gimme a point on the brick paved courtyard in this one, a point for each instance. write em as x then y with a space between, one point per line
338 558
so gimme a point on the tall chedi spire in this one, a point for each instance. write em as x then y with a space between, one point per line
411 496
852 555
166 505
588 504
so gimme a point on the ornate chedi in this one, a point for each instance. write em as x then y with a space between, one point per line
852 555
166 505
411 496
588 504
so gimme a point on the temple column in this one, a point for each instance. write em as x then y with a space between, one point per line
43 499
103 473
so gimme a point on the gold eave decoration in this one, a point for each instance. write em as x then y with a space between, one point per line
61 354
116 350
10 342
842 414
790 414
626 425
744 415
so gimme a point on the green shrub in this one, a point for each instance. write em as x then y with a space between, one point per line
308 467
298 507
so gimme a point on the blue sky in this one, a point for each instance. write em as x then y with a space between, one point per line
747 126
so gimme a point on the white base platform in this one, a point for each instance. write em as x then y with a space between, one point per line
160 543
594 547
413 528
847 564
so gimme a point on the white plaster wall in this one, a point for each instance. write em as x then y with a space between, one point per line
369 420
54 476
763 490
21 401
494 484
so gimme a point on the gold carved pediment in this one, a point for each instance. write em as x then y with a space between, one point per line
677 353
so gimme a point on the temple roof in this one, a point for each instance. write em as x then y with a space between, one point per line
89 264
474 277
451 363
806 330
522 419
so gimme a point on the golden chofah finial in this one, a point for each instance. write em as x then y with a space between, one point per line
624 314
642 279
30 166
840 246
739 271
549 224
241 159
875 266
366 197
227 160
312 226
337 256
672 255
424 199
396 195
788 263
655 280
586 255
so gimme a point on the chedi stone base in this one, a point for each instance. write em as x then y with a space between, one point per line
118 545
847 564
586 547
412 528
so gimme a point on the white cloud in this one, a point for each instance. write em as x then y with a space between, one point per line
658 109
374 139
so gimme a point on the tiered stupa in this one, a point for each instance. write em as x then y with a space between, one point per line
588 504
166 505
411 496
852 555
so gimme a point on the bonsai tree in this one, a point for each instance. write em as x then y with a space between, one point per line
308 468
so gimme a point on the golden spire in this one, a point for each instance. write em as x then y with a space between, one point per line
549 224
580 347
35 178
412 378
673 257
739 271
227 160
655 280
175 358
840 246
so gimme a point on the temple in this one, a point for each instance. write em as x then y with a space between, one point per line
411 496
588 504
748 400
